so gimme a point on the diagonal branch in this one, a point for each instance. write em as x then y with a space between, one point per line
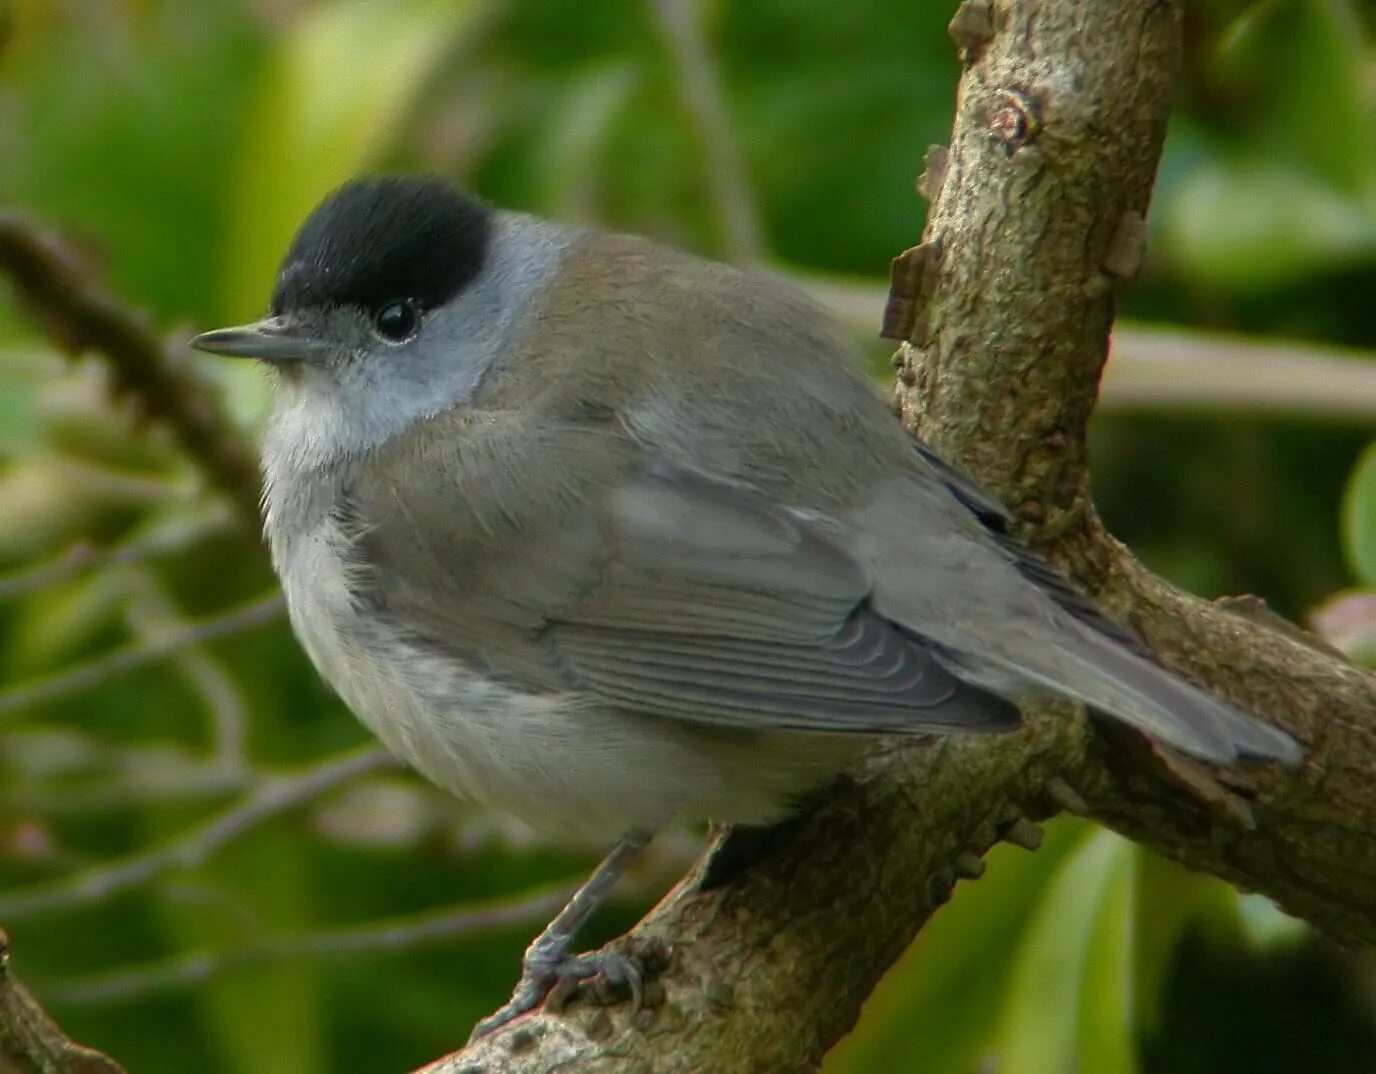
372 938
31 1042
680 26
1037 216
270 799
80 315
166 540
139 654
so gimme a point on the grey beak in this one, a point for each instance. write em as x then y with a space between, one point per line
268 339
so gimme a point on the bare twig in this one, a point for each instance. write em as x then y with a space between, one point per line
376 937
31 1042
245 617
155 619
184 784
80 316
166 540
275 796
680 27
1163 369
1160 368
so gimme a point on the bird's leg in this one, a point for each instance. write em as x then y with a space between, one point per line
547 961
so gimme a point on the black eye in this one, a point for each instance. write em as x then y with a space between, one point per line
397 321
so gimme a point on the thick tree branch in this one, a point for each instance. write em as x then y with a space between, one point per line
1034 226
1037 214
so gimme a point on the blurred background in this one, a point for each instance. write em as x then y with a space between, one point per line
204 863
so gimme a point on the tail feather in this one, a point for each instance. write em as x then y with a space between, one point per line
1000 616
1144 694
1098 671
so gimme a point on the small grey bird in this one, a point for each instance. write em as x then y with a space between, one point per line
603 534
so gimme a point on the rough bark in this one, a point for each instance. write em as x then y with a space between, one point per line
31 1042
1008 304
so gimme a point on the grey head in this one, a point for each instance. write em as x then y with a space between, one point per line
394 300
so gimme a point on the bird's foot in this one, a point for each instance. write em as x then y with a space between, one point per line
544 970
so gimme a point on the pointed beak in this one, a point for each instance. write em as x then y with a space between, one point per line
269 339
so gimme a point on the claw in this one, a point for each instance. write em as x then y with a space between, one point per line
547 961
544 971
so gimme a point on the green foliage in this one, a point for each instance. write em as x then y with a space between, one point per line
1069 988
338 80
1359 518
1052 961
180 144
1288 189
942 1000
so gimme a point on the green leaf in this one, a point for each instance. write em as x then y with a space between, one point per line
570 149
1253 223
1106 1041
55 624
936 1003
23 377
1042 1018
1359 518
1310 59
1167 899
118 127
1289 189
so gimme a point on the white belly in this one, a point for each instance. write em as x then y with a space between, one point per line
556 760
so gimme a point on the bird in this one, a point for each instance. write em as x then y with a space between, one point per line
605 535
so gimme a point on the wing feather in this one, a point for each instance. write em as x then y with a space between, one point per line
722 607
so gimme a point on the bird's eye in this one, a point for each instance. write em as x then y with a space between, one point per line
397 321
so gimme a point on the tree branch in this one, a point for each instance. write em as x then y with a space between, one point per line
138 654
192 969
1169 369
79 315
31 1042
680 26
80 558
269 799
1037 215
1035 226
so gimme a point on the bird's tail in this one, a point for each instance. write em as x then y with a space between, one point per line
1101 672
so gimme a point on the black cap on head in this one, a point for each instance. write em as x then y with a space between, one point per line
377 240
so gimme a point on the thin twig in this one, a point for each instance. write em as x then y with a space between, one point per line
80 315
1164 369
154 617
31 1042
165 540
680 27
379 937
119 661
184 785
276 796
